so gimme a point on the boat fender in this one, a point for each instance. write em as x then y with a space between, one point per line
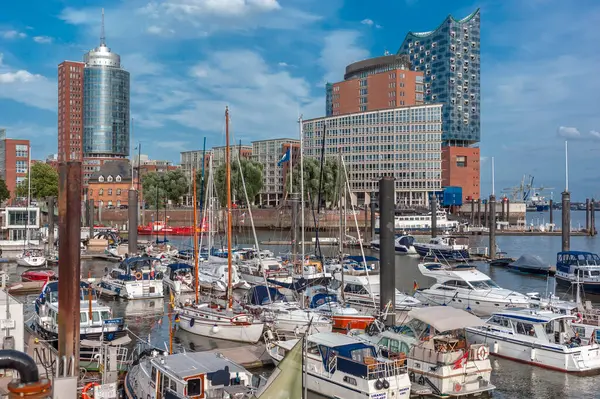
496 347
411 376
378 385
371 329
579 318
139 275
457 387
386 384
192 322
421 380
483 353
84 394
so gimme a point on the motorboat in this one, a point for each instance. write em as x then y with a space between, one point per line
465 287
353 264
421 222
38 275
304 273
179 278
98 326
578 267
255 271
284 316
216 277
444 248
341 366
402 244
188 375
134 278
501 260
213 321
438 355
31 257
530 264
325 301
541 338
363 293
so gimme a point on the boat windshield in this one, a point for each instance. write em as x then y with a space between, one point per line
484 284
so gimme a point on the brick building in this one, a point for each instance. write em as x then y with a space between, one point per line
14 156
110 185
461 167
70 111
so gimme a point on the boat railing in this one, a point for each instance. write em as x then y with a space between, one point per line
430 355
370 368
480 251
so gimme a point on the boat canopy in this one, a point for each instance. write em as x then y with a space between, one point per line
130 264
445 318
192 364
179 266
359 259
577 258
530 262
321 299
343 344
258 295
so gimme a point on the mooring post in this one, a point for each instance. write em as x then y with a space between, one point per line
485 214
132 237
551 211
508 210
472 211
69 267
566 221
433 215
373 216
492 234
387 250
592 217
91 216
51 223
587 215
479 212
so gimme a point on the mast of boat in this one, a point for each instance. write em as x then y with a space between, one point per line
90 295
341 243
301 193
196 254
28 194
228 183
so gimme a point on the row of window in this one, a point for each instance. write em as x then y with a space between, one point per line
101 191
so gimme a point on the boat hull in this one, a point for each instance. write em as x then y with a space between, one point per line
249 333
588 287
37 261
478 306
349 322
132 290
449 254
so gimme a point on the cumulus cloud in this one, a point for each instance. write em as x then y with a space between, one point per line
569 132
42 39
27 88
283 64
18 76
12 34
367 21
340 49
219 8
595 134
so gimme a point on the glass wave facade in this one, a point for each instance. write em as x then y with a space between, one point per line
450 60
106 111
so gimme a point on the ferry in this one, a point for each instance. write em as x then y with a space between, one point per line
134 278
438 355
188 375
541 338
341 366
464 287
421 222
578 267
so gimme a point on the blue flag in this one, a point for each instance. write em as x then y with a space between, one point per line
285 158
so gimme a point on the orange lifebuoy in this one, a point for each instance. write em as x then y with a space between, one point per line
139 275
84 394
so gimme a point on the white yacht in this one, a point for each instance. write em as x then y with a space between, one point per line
31 258
341 366
578 267
416 222
363 293
282 315
179 278
187 375
438 355
403 245
445 248
541 338
134 278
255 271
216 277
465 287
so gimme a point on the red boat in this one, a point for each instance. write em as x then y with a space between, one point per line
38 275
161 228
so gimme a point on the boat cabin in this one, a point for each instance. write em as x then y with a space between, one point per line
137 268
178 271
585 265
197 375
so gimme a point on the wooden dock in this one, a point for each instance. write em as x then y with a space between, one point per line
248 356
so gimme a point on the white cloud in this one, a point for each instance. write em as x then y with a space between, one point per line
42 39
216 7
138 65
367 21
1 58
340 49
283 64
79 17
18 76
377 26
27 88
178 146
569 132
12 34
595 134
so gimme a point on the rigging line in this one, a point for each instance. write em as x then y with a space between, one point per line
321 175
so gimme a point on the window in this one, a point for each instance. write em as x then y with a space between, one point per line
118 191
21 166
83 317
101 179
109 179
21 151
525 329
461 161
110 191
101 191
95 317
118 178
194 387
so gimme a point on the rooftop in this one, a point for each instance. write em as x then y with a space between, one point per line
190 364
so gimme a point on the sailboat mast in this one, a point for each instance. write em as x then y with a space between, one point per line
195 201
341 243
28 193
302 191
228 183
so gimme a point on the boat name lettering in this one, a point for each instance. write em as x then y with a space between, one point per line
113 321
380 395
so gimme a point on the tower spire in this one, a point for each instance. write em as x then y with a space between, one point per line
102 36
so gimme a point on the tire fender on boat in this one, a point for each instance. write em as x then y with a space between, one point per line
378 385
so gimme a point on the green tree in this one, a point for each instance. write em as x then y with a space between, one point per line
199 191
312 177
253 177
44 182
171 185
4 193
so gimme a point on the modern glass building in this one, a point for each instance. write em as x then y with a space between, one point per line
105 105
449 57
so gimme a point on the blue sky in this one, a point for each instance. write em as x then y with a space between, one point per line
268 60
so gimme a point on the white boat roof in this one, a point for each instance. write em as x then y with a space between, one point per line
533 316
362 279
445 318
461 272
331 339
190 364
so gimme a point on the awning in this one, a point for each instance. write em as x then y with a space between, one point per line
445 318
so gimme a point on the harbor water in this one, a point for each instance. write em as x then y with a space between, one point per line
148 320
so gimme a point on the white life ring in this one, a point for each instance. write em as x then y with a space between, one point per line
482 353
579 317
457 387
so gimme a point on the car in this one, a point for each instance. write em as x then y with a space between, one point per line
123 206
110 207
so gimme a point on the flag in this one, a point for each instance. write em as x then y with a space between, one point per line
415 285
285 158
461 361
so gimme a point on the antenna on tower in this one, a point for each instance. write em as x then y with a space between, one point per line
102 36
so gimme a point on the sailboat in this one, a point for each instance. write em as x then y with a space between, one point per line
214 321
30 257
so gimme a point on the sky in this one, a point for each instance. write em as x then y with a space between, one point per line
268 60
